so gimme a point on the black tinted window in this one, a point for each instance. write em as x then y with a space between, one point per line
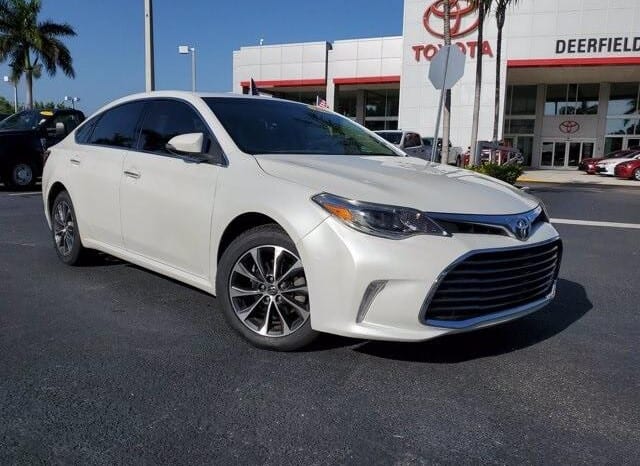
166 119
117 126
83 134
272 126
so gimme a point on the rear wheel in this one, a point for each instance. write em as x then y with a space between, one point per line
66 235
262 288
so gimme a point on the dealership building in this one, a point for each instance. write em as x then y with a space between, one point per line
570 84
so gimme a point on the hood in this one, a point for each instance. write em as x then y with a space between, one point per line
615 161
592 160
400 181
17 132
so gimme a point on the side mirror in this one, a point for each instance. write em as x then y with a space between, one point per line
186 144
60 129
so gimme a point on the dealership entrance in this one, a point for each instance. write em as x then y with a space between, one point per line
557 153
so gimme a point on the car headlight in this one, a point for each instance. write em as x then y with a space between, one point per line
378 219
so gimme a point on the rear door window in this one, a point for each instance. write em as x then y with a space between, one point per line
118 126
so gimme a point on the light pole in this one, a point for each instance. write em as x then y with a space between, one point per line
149 72
185 50
71 99
8 80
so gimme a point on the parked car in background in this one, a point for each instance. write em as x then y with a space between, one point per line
589 165
628 170
409 141
25 136
607 167
455 152
298 219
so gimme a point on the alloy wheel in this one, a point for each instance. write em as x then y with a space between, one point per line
636 174
268 291
22 174
63 228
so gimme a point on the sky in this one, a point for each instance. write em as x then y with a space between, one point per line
108 51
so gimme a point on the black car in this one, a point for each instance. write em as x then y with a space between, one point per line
25 136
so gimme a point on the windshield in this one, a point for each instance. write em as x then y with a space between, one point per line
394 137
265 126
28 119
617 154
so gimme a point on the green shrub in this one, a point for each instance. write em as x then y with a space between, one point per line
506 173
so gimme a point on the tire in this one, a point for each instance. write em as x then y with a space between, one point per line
65 231
269 308
636 174
21 175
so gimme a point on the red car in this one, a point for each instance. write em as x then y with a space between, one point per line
589 165
628 170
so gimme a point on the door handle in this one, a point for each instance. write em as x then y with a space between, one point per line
75 161
132 174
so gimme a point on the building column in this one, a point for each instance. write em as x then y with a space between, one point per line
603 109
360 103
541 95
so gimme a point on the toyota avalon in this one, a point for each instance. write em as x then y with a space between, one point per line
299 220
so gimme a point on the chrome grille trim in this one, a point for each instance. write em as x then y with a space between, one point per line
494 296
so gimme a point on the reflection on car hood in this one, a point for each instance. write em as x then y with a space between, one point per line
401 181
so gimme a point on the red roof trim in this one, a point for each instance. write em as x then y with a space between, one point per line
288 83
557 62
368 80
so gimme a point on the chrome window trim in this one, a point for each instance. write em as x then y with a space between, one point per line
496 317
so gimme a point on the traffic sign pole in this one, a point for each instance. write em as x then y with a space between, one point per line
443 91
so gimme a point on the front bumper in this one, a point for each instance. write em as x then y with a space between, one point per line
344 269
608 170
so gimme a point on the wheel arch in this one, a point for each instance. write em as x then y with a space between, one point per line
55 189
239 225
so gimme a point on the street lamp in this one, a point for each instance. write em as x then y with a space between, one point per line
185 50
73 100
8 80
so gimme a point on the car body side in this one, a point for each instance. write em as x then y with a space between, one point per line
336 257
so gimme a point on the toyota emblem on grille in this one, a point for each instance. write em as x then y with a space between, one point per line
523 228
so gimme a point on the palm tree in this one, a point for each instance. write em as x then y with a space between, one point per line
446 124
31 45
501 9
483 6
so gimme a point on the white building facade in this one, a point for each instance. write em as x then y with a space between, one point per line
570 85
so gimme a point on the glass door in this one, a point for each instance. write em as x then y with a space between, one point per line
565 154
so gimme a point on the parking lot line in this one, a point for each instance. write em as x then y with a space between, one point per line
589 223
30 193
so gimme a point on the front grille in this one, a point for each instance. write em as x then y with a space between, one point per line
490 282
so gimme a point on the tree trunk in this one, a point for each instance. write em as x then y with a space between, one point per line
500 16
446 124
476 102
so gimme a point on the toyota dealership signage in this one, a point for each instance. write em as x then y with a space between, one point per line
463 24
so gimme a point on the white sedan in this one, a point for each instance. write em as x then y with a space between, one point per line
608 166
299 220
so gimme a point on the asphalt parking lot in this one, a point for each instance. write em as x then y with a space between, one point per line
109 363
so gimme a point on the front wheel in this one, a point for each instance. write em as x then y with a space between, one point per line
636 174
262 288
66 235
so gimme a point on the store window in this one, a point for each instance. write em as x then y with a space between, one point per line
521 100
572 99
347 104
623 99
520 119
381 109
298 96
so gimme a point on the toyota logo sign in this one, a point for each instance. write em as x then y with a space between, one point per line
462 19
569 127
